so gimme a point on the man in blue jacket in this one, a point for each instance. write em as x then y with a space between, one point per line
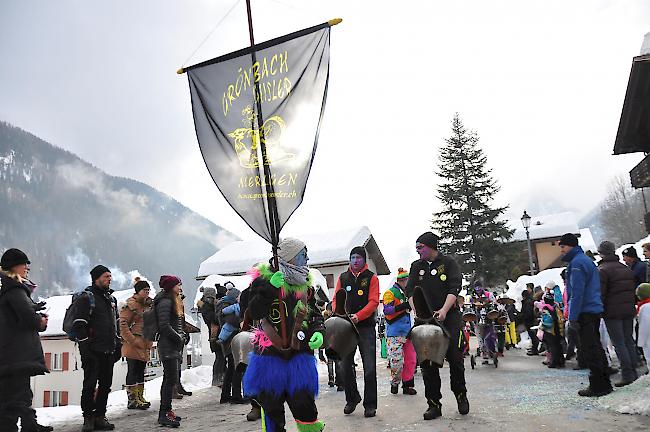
585 311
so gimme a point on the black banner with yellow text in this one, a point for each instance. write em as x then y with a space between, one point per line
286 80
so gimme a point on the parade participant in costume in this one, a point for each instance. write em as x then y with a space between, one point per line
486 334
358 290
135 347
283 367
585 310
401 354
437 277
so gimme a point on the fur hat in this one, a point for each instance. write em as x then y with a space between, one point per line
289 247
550 284
97 271
13 257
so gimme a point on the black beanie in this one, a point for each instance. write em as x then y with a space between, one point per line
97 272
13 257
569 239
628 252
359 250
429 239
140 285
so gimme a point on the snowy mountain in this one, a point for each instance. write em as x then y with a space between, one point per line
68 216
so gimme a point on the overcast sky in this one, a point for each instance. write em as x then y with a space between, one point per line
542 82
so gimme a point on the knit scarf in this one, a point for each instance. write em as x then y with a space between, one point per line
293 275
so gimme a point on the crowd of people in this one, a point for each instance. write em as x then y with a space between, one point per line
287 319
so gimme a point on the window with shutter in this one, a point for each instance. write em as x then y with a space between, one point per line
64 398
48 361
46 398
66 361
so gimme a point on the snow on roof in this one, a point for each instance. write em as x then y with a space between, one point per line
57 305
242 282
323 248
546 226
586 240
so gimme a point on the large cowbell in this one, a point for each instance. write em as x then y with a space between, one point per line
340 336
242 346
430 343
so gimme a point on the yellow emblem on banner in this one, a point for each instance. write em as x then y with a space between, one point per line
247 140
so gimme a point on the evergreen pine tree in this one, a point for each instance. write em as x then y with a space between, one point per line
469 226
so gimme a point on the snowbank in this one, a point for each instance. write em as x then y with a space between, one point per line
193 379
631 399
540 279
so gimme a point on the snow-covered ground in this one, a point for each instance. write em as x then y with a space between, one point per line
631 399
193 379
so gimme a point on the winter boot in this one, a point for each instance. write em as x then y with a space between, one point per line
140 396
254 414
175 393
434 411
408 387
132 398
394 388
89 424
102 424
167 418
463 403
182 391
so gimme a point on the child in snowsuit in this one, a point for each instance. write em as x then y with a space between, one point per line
643 311
552 323
228 315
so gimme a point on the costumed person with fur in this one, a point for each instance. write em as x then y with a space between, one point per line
283 366
401 354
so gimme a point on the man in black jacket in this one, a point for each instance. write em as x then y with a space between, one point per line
434 283
618 287
529 319
96 327
21 356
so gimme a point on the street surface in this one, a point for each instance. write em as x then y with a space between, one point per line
520 395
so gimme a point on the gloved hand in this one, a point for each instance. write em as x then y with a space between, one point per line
574 326
316 341
277 280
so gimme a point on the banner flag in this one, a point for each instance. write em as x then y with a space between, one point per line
282 84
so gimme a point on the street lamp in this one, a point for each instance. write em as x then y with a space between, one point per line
525 221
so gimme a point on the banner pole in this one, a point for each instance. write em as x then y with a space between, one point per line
271 202
270 198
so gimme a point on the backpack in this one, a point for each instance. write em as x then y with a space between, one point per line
72 312
150 326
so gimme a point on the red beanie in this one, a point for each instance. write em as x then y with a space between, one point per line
167 282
